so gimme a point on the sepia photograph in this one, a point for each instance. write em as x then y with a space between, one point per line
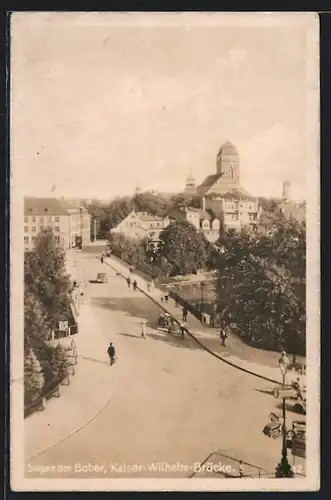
164 172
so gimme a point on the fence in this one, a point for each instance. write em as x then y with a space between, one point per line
52 389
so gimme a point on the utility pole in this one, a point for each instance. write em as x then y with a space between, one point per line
81 226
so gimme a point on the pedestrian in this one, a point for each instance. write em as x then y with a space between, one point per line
128 281
185 313
162 298
135 285
101 259
166 296
143 329
241 469
223 336
111 353
182 329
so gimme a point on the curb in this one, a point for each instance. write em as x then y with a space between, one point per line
238 367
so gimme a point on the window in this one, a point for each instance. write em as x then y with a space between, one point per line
34 229
26 220
33 219
57 229
234 216
41 220
26 240
57 219
50 218
26 229
45 209
57 239
33 239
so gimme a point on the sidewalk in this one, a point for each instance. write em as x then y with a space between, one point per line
236 351
90 390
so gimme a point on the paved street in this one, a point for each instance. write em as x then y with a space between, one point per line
173 402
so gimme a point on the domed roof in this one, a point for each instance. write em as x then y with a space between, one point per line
190 178
228 149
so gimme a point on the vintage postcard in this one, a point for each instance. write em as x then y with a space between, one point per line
164 251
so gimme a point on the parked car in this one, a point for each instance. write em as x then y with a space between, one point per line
102 278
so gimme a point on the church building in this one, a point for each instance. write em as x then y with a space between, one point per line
223 197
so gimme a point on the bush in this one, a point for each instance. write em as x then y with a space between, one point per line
59 361
33 377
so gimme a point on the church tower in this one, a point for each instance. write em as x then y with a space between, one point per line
190 186
227 166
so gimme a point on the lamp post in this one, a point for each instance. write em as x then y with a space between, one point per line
284 469
202 285
81 225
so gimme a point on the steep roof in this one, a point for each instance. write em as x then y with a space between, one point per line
227 149
207 183
44 206
147 217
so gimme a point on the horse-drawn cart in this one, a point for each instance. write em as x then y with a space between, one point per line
167 324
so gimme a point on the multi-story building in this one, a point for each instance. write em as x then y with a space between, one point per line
203 220
141 225
70 223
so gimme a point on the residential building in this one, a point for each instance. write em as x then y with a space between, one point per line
203 220
141 225
69 222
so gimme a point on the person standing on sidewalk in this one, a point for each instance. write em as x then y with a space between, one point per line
101 259
143 329
128 281
166 296
135 285
185 314
223 336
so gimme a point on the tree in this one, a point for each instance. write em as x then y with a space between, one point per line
46 279
33 377
261 286
185 200
183 247
59 361
154 204
35 319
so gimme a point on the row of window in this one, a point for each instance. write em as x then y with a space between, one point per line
33 239
34 229
233 205
41 218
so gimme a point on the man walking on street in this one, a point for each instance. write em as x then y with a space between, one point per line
111 353
166 296
223 336
185 314
128 281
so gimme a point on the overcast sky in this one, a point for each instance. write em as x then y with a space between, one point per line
102 103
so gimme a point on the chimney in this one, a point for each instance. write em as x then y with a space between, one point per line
203 203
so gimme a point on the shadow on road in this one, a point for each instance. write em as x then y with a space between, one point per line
140 307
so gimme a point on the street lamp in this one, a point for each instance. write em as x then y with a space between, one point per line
202 285
284 469
81 226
